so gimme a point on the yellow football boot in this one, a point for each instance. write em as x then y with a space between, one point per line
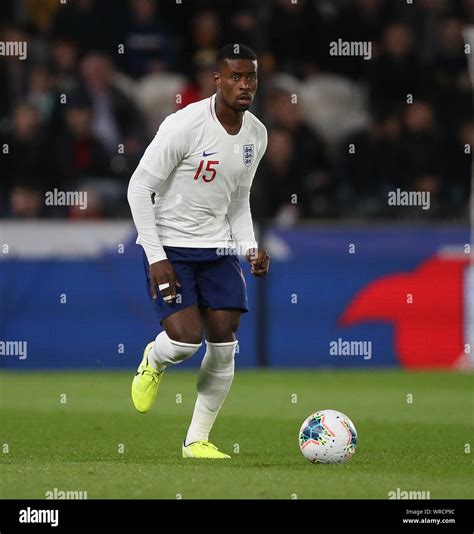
145 383
203 449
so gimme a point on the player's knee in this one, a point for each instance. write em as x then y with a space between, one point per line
182 350
222 335
192 336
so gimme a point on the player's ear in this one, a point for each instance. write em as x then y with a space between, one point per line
217 79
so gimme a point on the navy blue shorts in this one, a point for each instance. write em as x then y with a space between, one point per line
208 280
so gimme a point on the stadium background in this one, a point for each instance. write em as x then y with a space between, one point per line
77 114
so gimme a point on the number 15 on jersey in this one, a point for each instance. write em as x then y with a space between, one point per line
209 168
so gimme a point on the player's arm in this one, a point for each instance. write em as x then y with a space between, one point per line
240 220
241 225
161 157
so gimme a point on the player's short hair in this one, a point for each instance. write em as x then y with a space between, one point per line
234 51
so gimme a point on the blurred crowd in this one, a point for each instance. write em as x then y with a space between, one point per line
101 75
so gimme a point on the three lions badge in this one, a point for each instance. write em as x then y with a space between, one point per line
248 154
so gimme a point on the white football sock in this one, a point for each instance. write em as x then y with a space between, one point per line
214 381
166 352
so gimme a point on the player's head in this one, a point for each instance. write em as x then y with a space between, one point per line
236 76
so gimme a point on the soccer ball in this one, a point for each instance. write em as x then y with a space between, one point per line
328 437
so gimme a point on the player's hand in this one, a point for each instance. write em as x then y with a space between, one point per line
259 261
163 279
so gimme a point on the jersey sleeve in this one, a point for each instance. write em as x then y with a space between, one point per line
169 146
140 190
240 220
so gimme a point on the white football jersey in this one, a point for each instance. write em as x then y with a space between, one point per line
199 166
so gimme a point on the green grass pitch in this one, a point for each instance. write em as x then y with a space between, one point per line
65 430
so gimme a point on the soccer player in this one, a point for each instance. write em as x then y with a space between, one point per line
189 198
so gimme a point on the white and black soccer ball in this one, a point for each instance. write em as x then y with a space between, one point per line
328 437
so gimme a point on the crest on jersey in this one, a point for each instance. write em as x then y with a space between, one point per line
248 155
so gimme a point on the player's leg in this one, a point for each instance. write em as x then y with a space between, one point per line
222 293
178 342
180 339
216 372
